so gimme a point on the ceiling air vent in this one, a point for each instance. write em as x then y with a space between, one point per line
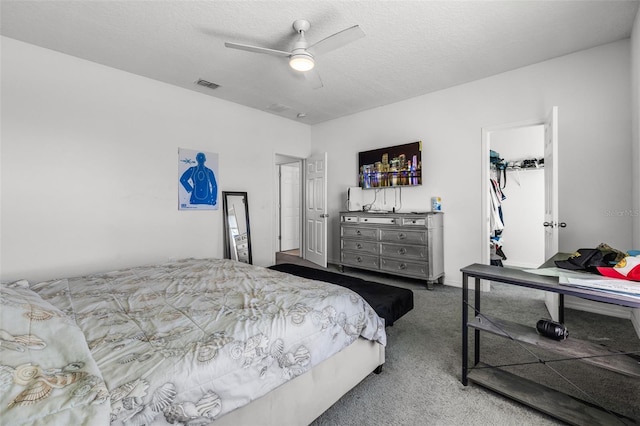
277 108
208 84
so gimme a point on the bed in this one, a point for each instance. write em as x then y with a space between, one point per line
192 342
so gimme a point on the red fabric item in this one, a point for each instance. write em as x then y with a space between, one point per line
627 269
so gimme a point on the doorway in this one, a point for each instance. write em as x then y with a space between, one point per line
521 182
289 210
305 223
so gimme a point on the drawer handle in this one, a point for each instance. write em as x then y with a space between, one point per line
359 259
403 266
358 246
358 232
402 236
402 250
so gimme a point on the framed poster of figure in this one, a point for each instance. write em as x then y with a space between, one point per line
198 180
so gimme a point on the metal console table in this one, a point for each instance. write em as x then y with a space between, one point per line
542 398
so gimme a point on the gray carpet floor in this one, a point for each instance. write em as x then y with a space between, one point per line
420 381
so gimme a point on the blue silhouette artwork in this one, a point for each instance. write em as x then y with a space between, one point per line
200 182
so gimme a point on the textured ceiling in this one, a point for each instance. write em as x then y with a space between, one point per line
410 48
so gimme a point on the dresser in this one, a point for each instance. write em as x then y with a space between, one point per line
404 244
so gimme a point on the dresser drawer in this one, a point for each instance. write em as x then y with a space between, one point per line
353 219
378 220
359 232
417 221
404 251
360 246
360 260
400 267
402 236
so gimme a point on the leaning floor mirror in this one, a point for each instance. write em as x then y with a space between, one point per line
237 238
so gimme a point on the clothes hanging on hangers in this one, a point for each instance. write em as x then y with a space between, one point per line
497 197
499 169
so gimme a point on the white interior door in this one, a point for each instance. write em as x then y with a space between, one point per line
551 200
289 206
315 229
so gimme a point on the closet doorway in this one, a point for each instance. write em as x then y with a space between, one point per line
520 178
289 211
506 137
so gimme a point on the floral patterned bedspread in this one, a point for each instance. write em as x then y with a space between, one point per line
189 341
47 374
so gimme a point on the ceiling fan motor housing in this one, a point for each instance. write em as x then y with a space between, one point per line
300 59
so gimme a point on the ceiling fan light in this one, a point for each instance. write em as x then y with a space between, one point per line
301 62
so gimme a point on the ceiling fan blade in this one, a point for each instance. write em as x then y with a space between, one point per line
258 49
336 40
313 78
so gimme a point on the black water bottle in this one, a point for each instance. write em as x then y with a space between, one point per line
552 329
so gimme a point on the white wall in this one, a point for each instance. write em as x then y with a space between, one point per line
635 114
66 122
591 89
89 166
523 208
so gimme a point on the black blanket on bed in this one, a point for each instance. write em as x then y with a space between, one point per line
388 301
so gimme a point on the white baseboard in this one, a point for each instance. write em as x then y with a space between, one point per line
597 308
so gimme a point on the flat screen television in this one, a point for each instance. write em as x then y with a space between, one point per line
399 165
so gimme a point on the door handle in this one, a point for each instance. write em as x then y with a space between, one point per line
324 215
552 224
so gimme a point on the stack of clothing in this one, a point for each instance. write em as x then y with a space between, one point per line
608 270
589 259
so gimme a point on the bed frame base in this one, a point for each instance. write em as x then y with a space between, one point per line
303 399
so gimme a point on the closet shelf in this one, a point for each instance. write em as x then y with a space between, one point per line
511 169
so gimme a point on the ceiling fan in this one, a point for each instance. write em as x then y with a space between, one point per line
302 56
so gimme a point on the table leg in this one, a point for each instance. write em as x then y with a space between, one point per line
561 308
476 332
465 339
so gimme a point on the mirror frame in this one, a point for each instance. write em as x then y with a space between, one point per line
227 230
